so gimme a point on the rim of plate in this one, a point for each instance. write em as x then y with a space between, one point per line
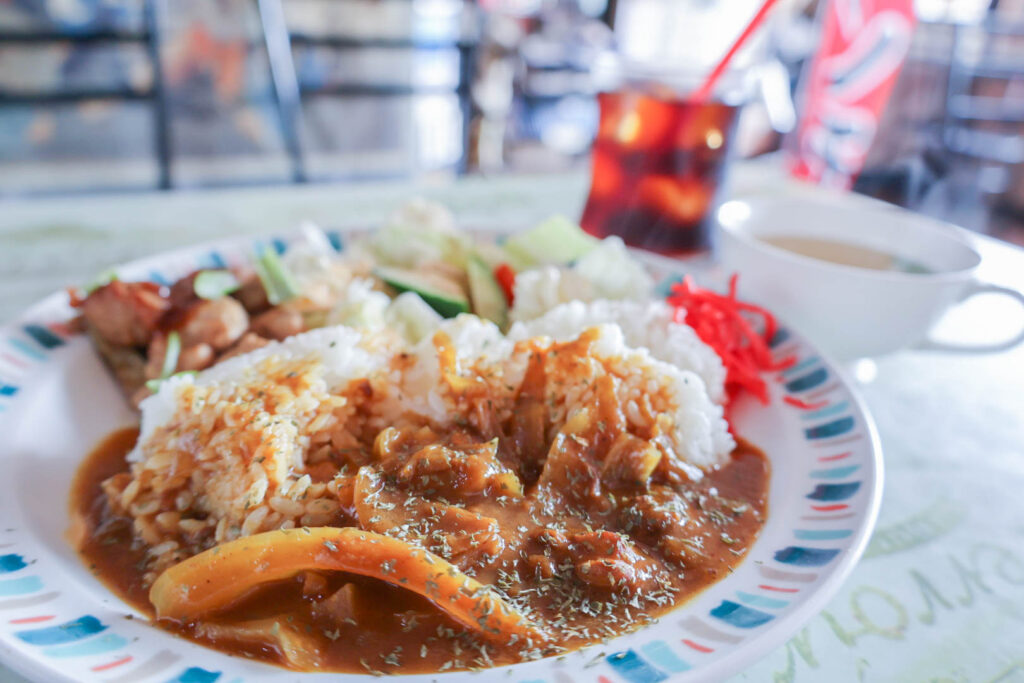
764 643
749 652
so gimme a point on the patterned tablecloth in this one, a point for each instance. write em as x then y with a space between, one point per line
939 595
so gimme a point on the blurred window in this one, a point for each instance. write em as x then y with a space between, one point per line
180 93
77 106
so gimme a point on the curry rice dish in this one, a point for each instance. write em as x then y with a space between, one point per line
348 499
339 502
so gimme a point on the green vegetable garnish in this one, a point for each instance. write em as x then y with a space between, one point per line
444 295
278 282
170 363
486 294
101 280
214 284
171 355
556 241
154 384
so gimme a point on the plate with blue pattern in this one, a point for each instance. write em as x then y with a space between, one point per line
59 623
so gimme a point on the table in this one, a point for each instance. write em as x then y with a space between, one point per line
939 595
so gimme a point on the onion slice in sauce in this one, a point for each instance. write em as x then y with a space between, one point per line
218 578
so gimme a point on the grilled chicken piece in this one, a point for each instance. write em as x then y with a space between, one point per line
217 322
278 323
125 313
250 341
252 295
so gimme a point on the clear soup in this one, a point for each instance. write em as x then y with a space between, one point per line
844 253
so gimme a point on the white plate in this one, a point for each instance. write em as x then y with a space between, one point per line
57 622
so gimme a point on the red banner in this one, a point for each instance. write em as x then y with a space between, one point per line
845 89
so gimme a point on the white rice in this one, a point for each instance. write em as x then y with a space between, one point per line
644 325
341 351
700 435
539 290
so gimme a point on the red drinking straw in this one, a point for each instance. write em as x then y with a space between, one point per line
702 93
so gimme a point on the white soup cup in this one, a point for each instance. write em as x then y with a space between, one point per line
853 312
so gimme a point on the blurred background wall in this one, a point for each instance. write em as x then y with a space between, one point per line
100 95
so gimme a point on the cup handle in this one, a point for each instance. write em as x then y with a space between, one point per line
975 289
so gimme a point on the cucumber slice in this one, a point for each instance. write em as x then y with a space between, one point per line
485 292
556 241
490 253
443 295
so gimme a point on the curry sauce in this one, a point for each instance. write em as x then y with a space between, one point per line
588 568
